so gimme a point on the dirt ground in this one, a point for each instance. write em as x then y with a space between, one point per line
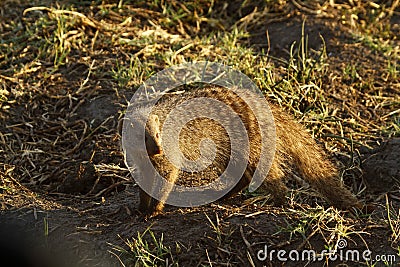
67 198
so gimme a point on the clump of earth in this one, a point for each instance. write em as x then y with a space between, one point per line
381 167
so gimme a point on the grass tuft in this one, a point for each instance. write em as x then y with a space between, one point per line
143 252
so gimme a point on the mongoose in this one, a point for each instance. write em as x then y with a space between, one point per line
295 151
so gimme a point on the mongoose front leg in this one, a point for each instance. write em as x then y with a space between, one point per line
149 205
145 201
157 206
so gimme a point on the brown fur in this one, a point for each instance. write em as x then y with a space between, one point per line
296 151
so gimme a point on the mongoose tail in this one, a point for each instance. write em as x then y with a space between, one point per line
301 152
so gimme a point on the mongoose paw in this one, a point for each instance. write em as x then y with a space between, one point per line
150 214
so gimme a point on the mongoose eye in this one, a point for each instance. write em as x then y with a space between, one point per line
157 135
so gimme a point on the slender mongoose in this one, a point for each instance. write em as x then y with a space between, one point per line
295 151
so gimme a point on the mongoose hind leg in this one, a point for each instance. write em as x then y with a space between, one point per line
242 184
274 184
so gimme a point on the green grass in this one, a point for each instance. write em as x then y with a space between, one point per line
56 34
145 250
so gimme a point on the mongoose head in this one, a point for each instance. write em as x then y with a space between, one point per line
153 136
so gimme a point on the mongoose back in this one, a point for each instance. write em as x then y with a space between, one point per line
296 151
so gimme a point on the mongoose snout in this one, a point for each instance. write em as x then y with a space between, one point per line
153 136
